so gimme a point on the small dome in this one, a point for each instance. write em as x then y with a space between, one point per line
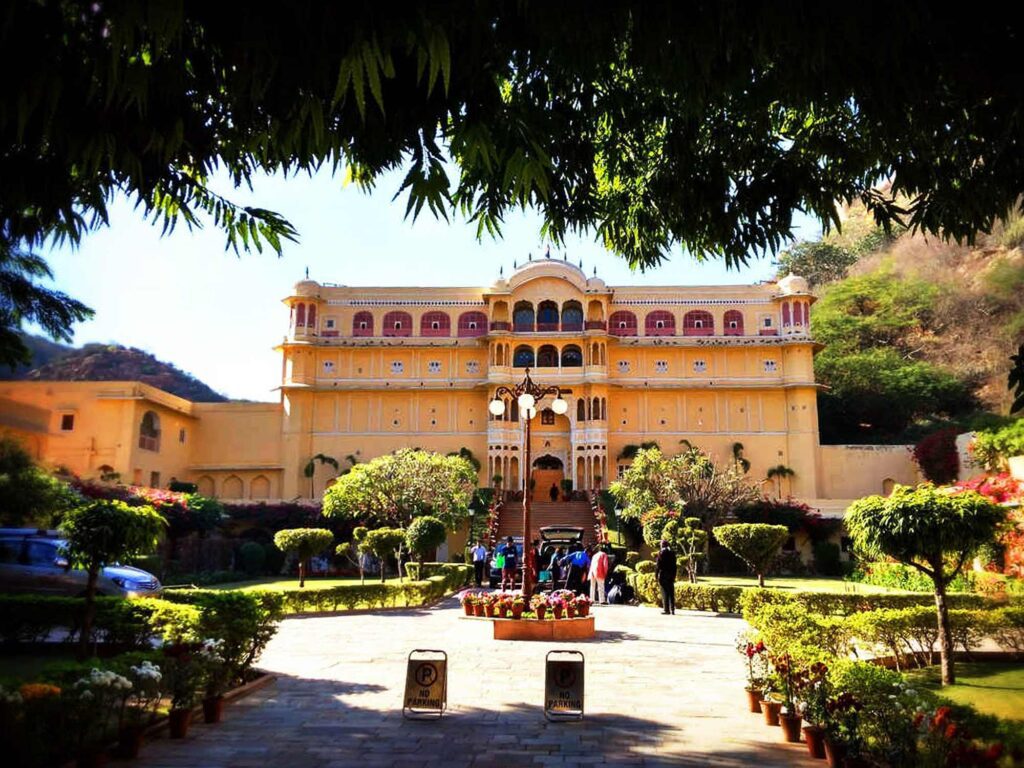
596 284
793 284
307 288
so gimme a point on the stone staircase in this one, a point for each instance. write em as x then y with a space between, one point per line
542 514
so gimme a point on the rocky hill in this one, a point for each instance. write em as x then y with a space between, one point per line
109 362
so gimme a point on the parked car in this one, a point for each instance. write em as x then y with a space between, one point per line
551 538
35 561
494 577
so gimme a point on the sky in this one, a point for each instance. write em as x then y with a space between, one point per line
217 316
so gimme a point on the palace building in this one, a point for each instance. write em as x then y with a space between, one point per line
369 370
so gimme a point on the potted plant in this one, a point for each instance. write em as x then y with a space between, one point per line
540 606
771 701
489 608
184 679
842 730
479 601
138 708
557 606
813 693
96 700
517 605
582 604
468 602
217 675
789 718
757 669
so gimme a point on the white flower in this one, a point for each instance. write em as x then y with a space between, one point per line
86 695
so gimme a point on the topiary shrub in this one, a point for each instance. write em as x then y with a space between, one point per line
632 558
425 534
646 566
304 542
756 544
252 557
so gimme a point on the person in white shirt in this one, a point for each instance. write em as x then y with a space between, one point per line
479 555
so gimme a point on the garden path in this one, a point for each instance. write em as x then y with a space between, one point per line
660 690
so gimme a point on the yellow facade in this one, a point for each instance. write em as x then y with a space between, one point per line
368 370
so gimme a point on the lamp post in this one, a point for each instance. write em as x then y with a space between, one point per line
528 395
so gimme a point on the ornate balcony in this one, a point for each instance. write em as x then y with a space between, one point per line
595 325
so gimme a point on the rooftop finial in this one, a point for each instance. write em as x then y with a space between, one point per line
501 271
514 264
581 264
307 273
531 257
547 253
565 256
595 270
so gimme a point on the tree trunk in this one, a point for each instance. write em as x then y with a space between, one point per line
90 611
760 580
945 635
302 572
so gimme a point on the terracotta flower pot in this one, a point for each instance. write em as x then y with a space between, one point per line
129 742
179 721
489 611
582 610
753 700
771 710
478 609
213 709
542 612
556 612
835 753
570 611
468 608
790 727
814 735
503 611
517 611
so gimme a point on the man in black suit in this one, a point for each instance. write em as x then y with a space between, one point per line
666 573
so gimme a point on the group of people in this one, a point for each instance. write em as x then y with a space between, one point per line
569 569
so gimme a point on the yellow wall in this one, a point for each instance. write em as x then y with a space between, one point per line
852 471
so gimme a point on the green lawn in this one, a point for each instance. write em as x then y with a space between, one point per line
797 583
290 583
990 687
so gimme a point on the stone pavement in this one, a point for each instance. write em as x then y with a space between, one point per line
660 690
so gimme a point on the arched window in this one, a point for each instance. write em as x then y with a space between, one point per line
595 409
472 324
581 410
733 321
362 324
622 323
397 324
523 357
547 417
300 316
259 488
435 324
232 488
660 323
522 317
547 357
572 356
204 486
786 322
572 316
547 316
311 317
887 486
149 432
513 410
698 323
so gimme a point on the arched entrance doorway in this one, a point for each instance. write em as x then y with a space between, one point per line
547 471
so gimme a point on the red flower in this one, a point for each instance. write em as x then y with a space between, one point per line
918 719
951 731
995 751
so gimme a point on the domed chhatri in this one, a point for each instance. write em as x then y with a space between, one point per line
793 285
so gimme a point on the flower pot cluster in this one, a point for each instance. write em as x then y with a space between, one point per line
561 604
889 727
105 713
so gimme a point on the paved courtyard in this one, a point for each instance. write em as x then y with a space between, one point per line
660 690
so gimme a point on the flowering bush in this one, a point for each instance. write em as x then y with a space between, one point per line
945 742
757 661
140 702
184 674
937 456
96 700
813 693
216 670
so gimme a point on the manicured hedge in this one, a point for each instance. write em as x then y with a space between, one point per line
347 597
133 623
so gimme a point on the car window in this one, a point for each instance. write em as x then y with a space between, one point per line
41 553
9 550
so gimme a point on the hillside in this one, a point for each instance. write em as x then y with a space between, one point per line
918 332
103 362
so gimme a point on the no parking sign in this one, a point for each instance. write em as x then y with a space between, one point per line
563 686
426 684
